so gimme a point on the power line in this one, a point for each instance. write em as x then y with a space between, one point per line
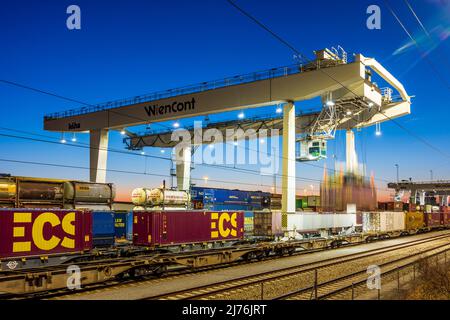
413 134
133 172
425 30
121 171
423 54
342 85
267 29
145 120
167 127
88 146
242 170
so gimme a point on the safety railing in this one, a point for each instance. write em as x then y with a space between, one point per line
204 86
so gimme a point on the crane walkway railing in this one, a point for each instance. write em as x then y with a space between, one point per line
204 86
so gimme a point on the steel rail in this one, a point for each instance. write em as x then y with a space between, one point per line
229 285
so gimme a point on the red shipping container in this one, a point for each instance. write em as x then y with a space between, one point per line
446 217
35 232
163 228
359 219
433 219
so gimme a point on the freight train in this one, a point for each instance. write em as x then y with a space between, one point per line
56 221
39 237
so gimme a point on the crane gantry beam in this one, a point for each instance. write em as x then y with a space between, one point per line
358 102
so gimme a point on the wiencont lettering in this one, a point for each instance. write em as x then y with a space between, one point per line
175 107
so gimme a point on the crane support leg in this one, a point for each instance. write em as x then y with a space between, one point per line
422 198
98 155
288 189
351 157
183 167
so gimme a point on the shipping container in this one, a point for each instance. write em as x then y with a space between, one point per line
103 230
197 204
446 217
87 206
25 192
313 201
40 191
383 221
120 224
306 221
359 219
35 232
224 199
433 219
88 192
414 220
248 222
229 207
7 191
130 226
267 224
170 228
398 206
275 201
301 203
160 197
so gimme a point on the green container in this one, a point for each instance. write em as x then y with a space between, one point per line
301 203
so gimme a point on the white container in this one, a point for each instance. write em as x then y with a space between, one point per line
383 221
304 221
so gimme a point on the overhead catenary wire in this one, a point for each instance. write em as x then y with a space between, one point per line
140 119
242 170
140 173
234 168
117 171
81 102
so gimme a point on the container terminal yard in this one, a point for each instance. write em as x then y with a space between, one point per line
256 187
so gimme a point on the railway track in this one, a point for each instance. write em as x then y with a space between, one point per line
341 287
169 274
266 285
181 274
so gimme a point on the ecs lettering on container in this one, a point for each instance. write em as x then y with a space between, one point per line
33 232
168 228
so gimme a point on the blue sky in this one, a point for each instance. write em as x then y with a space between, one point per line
128 48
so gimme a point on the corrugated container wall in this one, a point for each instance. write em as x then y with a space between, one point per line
383 221
314 221
103 230
166 228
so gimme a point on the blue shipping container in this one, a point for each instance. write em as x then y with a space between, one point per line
120 224
103 230
129 226
248 222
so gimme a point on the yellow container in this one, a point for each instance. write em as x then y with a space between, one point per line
414 220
